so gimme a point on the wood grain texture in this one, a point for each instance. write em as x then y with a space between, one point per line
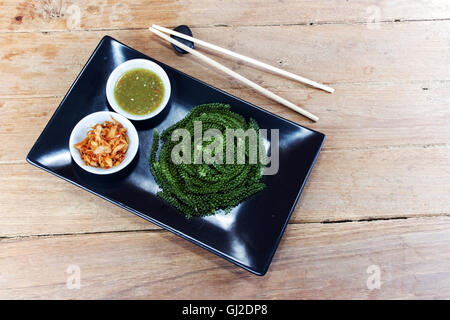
355 116
379 183
374 129
344 185
313 261
386 156
28 208
45 64
60 15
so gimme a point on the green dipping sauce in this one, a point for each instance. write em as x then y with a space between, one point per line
139 91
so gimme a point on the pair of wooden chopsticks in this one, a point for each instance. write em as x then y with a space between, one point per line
155 29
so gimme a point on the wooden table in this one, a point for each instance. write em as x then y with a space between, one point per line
376 207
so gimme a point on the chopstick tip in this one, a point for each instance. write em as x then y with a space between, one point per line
327 88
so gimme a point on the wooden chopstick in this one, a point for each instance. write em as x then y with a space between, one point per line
247 59
237 76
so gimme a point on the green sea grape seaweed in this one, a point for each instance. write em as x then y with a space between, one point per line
204 182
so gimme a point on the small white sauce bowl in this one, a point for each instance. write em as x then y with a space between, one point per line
120 70
80 131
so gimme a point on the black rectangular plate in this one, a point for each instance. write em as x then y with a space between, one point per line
247 236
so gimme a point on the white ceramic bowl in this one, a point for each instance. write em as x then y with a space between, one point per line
135 64
80 131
